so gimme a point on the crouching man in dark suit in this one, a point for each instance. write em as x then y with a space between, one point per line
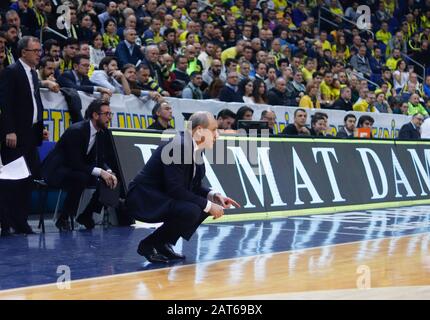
169 190
78 160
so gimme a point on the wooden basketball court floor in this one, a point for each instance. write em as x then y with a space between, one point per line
374 254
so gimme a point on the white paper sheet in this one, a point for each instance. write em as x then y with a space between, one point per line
15 170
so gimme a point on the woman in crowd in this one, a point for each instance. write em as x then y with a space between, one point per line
271 78
246 89
85 30
244 113
318 125
310 99
260 92
400 76
110 37
212 92
230 37
96 49
381 104
341 46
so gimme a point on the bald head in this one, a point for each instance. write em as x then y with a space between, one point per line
200 118
280 84
203 127
152 52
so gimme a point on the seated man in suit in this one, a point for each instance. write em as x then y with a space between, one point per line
127 50
169 190
76 162
347 131
78 77
411 130
230 91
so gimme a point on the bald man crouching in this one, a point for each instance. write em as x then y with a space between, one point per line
169 190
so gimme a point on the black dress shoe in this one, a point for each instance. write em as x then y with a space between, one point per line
86 221
63 224
24 229
166 249
5 232
148 251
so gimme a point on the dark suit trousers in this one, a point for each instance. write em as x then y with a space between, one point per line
4 215
17 193
74 183
183 221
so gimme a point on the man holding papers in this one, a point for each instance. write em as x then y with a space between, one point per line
21 131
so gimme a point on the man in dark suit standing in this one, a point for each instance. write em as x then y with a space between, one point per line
21 130
77 80
411 130
76 162
78 77
169 190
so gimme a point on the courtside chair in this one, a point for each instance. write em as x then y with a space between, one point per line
43 190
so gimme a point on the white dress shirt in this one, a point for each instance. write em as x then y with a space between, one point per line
425 129
212 193
101 78
130 47
93 132
27 69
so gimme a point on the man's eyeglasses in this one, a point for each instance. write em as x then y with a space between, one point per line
34 50
107 114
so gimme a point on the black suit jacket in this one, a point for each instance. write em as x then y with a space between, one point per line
227 94
124 56
16 106
68 80
154 190
341 104
70 153
343 134
407 131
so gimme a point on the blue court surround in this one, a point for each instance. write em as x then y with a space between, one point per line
33 260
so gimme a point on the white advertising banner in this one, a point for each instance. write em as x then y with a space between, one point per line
131 112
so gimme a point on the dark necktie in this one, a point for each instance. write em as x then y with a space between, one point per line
37 96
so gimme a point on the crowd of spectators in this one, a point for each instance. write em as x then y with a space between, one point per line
274 52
